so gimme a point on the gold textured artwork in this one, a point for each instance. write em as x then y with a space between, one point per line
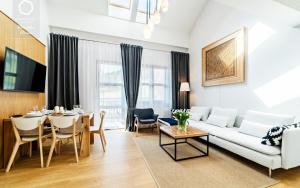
223 62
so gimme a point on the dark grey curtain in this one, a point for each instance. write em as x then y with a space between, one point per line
180 73
63 71
131 64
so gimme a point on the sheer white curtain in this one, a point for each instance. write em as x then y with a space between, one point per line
101 81
87 58
155 84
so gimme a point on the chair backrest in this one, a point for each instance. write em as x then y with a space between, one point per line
27 124
102 114
63 121
146 113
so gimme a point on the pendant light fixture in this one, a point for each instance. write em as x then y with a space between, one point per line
156 15
155 19
149 24
164 5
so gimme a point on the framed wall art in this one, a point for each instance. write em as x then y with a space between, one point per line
223 62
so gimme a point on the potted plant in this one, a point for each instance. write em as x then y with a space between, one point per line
182 118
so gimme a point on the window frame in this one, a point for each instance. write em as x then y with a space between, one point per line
153 84
144 12
101 83
121 6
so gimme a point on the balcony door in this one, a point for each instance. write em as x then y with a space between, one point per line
111 93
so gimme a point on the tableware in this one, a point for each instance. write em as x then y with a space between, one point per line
61 109
34 114
56 109
70 113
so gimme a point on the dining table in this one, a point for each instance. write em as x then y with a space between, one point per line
87 120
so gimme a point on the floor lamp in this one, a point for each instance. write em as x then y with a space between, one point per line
185 87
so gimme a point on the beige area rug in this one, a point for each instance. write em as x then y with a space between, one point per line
217 170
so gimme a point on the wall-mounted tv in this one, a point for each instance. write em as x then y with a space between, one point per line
22 73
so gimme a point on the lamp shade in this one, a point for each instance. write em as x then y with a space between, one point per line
185 86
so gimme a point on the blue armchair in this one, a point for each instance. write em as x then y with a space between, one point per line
145 118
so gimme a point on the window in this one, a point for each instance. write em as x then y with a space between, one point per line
111 93
154 87
142 9
120 9
155 82
142 6
121 3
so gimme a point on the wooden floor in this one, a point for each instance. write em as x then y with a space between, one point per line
121 166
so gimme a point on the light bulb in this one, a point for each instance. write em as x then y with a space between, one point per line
156 17
147 32
164 5
151 24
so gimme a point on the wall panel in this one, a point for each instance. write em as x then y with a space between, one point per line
17 102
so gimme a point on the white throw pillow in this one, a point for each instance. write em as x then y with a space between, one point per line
199 111
254 129
220 121
227 112
269 119
195 116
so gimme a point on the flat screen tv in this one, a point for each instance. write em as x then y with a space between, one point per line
22 73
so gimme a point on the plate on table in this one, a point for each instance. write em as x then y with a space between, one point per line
47 112
70 113
34 114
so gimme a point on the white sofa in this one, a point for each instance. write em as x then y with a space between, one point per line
230 138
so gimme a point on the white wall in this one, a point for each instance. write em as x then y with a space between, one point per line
64 17
116 40
272 68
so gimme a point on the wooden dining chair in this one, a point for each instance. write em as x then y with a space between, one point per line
59 125
27 130
99 130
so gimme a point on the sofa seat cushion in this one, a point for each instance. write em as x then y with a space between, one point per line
232 135
147 121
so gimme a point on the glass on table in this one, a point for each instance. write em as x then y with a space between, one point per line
36 108
76 108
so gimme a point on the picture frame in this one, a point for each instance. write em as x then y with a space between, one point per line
223 62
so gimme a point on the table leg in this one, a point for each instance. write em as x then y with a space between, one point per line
207 145
85 144
160 138
92 123
175 151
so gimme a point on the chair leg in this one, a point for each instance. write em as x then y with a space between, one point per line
103 137
75 148
102 142
30 149
59 147
12 157
80 138
51 151
137 131
41 153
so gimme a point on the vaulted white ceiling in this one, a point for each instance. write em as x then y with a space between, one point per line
181 16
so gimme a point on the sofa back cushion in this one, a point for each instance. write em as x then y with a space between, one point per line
254 129
227 112
269 119
220 121
199 113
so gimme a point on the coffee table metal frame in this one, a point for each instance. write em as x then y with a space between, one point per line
174 157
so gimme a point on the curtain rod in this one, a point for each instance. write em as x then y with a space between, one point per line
119 44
